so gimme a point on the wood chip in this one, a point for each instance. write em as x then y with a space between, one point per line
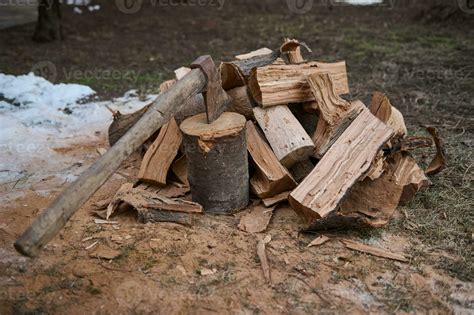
373 250
320 240
256 220
271 201
105 252
262 255
439 162
100 221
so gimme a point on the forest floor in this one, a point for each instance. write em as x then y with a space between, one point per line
427 70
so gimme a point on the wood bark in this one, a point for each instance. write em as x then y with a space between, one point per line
347 161
158 158
52 219
217 162
271 177
153 207
236 73
194 105
335 113
48 27
283 84
286 136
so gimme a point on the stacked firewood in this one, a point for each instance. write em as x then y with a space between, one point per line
336 161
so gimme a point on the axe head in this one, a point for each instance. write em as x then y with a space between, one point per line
216 99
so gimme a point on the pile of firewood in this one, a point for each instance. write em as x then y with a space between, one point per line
336 161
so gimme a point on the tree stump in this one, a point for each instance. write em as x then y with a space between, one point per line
217 162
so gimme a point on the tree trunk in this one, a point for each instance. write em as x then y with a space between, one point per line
48 26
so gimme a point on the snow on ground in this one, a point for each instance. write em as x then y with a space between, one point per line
39 120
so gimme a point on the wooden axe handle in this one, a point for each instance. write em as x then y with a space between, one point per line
51 220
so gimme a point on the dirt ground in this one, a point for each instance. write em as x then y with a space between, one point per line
425 68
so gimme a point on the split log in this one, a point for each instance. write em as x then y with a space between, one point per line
217 162
158 158
236 73
51 220
180 169
271 177
372 202
241 102
335 113
292 49
381 108
286 136
345 162
283 84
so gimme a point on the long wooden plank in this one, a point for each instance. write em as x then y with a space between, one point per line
344 163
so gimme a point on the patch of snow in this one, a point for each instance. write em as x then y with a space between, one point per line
39 118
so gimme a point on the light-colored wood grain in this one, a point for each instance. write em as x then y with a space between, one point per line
345 162
335 113
283 84
158 158
286 136
270 178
